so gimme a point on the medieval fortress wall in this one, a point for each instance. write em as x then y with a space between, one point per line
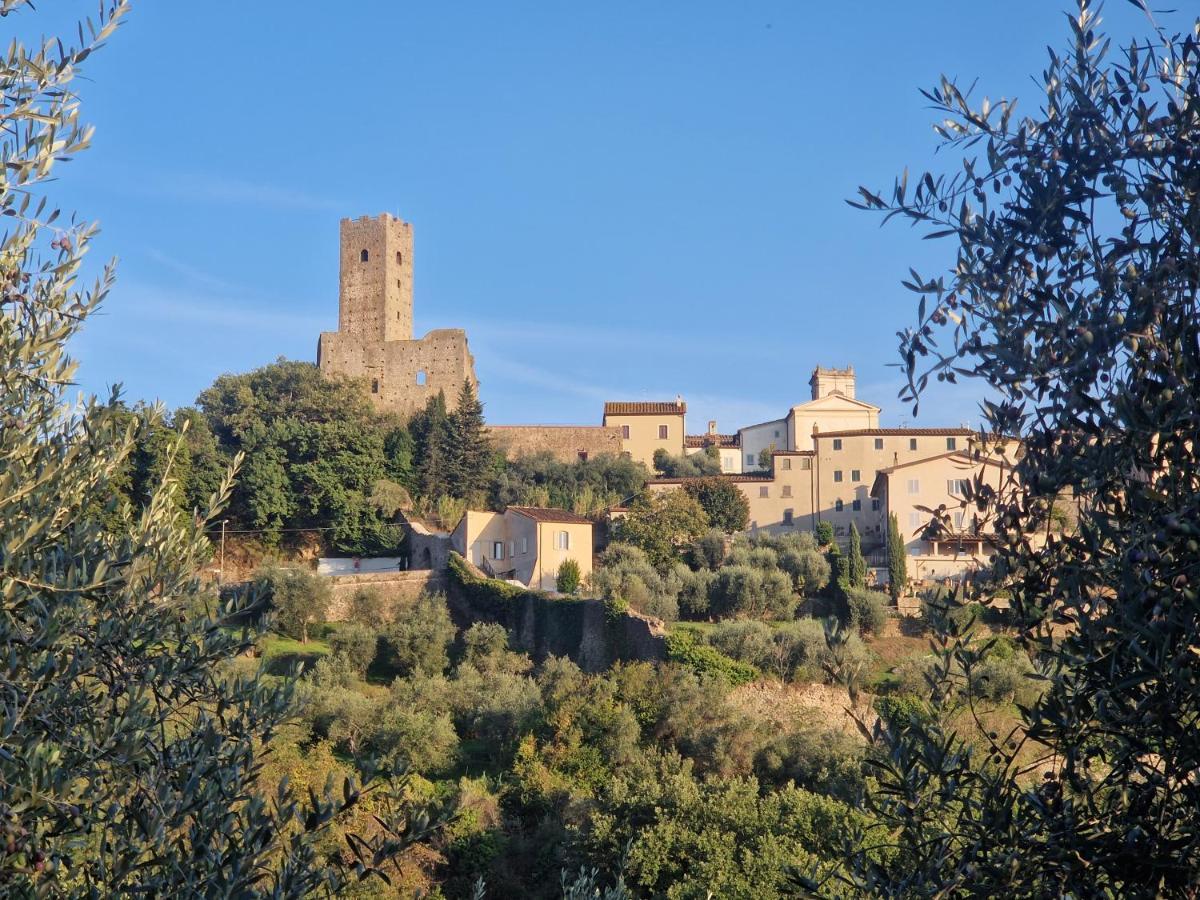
374 340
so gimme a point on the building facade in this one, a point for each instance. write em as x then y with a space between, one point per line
728 448
525 544
833 407
374 340
648 427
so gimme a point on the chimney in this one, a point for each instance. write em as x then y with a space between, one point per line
712 426
679 399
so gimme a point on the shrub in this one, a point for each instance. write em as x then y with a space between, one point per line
819 759
298 598
357 643
808 568
368 607
1004 679
419 641
708 550
683 648
744 591
799 649
694 588
866 610
748 641
824 533
900 709
942 610
568 578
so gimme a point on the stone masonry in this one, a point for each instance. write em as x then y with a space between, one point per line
374 340
566 443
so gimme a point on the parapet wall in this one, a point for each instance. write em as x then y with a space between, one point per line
393 587
566 443
402 375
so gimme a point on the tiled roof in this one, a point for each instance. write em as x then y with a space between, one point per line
550 514
645 409
896 432
957 455
719 440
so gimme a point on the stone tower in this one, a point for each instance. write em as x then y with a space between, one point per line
830 381
374 340
376 279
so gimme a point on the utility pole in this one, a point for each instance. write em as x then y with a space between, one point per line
221 573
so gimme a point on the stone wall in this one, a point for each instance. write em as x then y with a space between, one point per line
394 587
542 625
564 442
402 375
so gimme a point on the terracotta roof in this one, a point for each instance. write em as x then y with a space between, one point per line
550 514
897 432
719 440
645 409
958 455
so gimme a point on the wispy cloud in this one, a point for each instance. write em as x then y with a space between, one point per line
150 302
191 273
220 189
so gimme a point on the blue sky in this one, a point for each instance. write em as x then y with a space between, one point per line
616 200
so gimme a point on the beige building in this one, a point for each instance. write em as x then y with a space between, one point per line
647 427
374 340
833 482
728 447
833 407
908 489
525 544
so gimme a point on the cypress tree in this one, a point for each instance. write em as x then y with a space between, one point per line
897 563
429 431
856 565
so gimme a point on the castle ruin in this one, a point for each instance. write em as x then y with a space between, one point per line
374 340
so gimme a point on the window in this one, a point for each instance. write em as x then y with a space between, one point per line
806 463
855 475
374 385
878 443
776 434
838 506
399 259
397 286
625 432
837 476
662 432
497 546
914 486
421 378
787 517
764 491
512 549
583 455
837 443
958 520
951 444
856 505
958 487
749 459
562 540
914 520
787 463
363 256
524 545
787 491
912 443
875 504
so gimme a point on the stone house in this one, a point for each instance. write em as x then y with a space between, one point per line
646 427
525 544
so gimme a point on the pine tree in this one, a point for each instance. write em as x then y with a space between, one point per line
468 449
430 429
897 562
856 565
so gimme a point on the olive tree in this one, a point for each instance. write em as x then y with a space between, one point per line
130 759
1073 298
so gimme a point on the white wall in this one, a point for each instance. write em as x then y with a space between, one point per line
352 566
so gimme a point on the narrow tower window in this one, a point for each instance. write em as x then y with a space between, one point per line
399 258
374 385
421 377
363 255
